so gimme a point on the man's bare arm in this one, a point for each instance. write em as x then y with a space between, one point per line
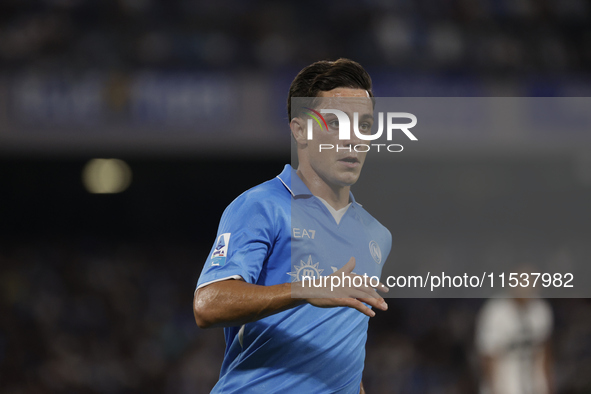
234 302
488 365
548 366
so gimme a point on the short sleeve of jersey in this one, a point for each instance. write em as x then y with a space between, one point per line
490 335
244 239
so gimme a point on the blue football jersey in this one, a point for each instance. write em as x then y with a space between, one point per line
278 232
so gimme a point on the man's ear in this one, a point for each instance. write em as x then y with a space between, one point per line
298 131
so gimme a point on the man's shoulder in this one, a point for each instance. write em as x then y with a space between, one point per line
497 310
266 196
272 190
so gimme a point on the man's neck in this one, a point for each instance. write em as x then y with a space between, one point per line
336 196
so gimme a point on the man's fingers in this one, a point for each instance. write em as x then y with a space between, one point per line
356 304
367 292
364 292
349 267
346 294
375 302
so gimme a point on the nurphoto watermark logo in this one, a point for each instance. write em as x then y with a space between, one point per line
344 124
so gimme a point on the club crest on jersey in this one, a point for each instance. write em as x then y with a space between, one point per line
218 257
305 268
375 251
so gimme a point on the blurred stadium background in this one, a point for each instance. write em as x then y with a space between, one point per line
96 289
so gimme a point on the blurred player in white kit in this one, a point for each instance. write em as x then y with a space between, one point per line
512 339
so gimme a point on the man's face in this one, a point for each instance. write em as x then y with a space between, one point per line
340 167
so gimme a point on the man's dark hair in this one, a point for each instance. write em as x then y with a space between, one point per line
324 76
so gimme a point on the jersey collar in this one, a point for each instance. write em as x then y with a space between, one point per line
296 186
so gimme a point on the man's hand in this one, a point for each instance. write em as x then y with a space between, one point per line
231 303
343 295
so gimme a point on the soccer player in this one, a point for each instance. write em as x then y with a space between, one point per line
279 336
512 338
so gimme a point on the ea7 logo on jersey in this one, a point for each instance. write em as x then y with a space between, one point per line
303 233
218 257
